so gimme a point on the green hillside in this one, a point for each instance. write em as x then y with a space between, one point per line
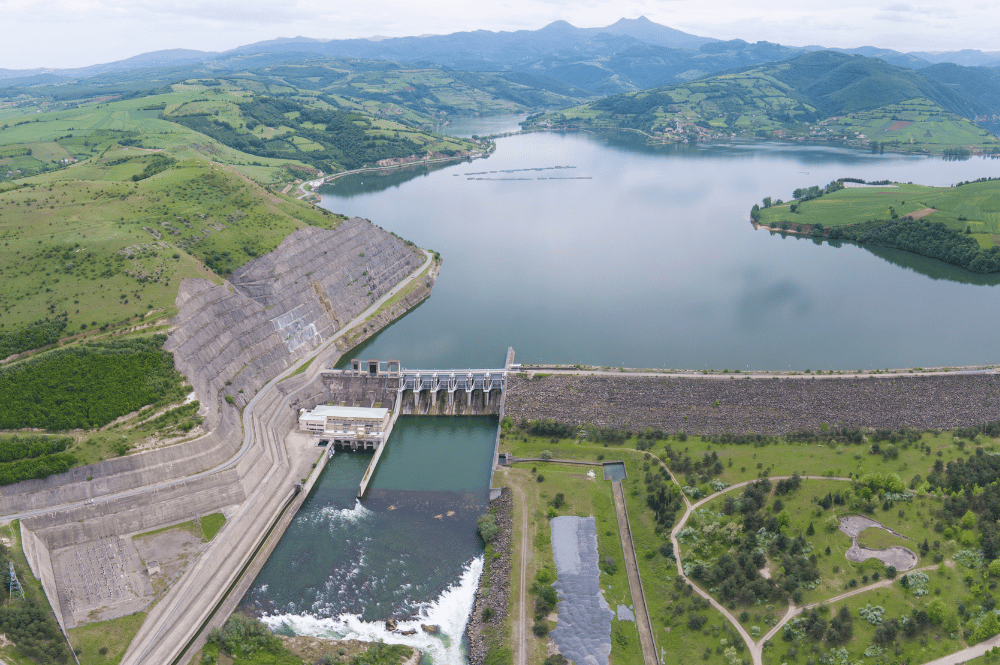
424 95
817 96
265 137
89 246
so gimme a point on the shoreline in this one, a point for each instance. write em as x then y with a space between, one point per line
303 193
753 139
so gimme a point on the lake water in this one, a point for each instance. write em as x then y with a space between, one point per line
645 257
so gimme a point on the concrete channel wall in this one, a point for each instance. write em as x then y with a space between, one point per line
768 406
40 564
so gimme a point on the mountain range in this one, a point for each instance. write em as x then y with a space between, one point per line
631 54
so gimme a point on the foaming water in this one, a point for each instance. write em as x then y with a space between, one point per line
449 612
409 551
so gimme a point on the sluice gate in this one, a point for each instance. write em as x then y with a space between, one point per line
381 386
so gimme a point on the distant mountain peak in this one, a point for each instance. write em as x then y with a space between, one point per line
558 25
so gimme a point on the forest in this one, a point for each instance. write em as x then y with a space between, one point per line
341 134
87 386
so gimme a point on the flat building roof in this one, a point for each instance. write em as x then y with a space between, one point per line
348 412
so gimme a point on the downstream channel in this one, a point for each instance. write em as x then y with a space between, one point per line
624 255
408 551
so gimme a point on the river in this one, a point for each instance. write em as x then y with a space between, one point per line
574 248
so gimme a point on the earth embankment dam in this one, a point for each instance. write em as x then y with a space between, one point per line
773 406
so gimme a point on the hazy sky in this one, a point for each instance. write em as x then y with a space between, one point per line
73 33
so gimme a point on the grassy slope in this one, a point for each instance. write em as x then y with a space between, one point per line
63 235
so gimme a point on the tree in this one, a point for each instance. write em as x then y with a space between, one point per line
811 530
767 201
995 568
988 627
969 520
937 611
487 527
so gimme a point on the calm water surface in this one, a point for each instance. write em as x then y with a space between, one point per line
652 262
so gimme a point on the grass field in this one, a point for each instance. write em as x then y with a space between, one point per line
672 635
973 206
90 243
916 519
880 539
105 642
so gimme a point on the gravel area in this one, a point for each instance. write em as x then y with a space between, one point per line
761 406
583 634
901 558
625 614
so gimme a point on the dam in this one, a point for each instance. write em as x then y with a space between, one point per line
358 406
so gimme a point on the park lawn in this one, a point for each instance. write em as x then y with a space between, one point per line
811 459
671 633
584 498
113 637
934 642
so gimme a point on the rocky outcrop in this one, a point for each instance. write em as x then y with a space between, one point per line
760 406
494 585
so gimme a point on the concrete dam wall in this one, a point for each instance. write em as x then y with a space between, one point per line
273 311
281 306
760 406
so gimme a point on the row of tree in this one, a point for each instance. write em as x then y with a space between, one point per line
927 238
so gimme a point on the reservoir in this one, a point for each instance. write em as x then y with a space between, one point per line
651 261
624 255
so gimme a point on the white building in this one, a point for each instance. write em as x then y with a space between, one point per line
354 426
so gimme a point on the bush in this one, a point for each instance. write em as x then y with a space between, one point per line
487 527
609 565
541 627
488 614
245 636
696 621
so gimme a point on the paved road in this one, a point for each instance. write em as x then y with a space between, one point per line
649 655
521 620
696 374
